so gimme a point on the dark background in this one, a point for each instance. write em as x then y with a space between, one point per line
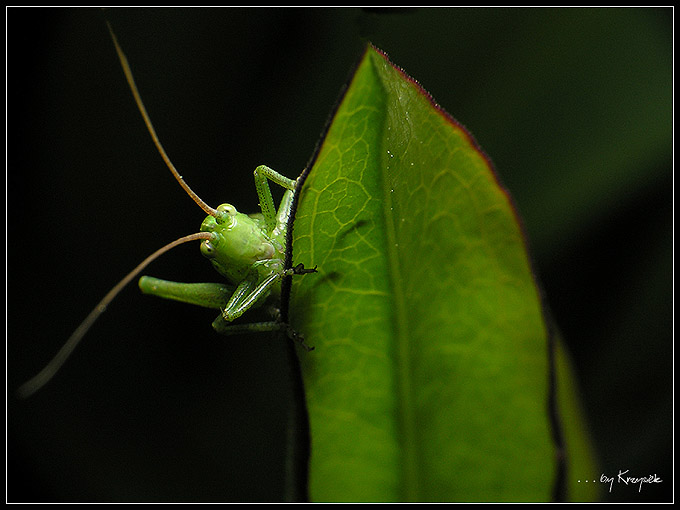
574 106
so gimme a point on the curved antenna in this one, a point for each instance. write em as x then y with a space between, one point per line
43 377
138 99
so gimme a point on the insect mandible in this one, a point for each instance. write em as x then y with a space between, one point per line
248 250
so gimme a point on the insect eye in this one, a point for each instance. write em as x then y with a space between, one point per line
225 214
208 249
227 209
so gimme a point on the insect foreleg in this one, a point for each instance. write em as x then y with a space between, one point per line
257 286
263 173
247 294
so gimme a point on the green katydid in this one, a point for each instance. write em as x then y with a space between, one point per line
247 249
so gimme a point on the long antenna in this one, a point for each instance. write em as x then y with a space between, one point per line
46 374
43 377
138 99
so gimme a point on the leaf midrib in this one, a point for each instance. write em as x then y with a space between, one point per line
404 409
405 403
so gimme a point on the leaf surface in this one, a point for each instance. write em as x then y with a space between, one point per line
430 375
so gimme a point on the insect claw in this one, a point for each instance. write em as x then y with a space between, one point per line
300 269
297 337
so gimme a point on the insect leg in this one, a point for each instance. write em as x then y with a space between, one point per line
257 286
262 173
208 295
225 328
284 210
247 294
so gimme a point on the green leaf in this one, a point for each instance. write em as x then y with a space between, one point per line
430 374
